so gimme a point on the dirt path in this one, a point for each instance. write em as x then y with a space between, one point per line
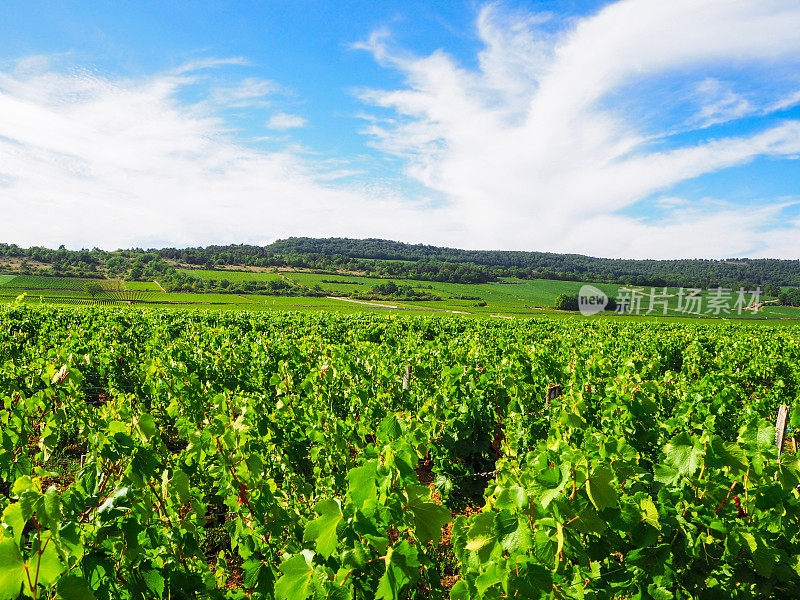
395 307
759 306
159 285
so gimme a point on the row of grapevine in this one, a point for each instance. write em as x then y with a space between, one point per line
148 454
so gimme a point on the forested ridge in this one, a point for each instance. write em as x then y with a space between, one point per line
388 259
579 267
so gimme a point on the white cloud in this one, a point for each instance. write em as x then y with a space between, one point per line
719 103
540 146
250 92
283 121
551 142
199 64
91 161
788 101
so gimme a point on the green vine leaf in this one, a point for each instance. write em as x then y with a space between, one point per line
362 488
481 536
12 573
429 517
683 455
13 517
759 433
599 488
322 530
295 583
146 426
460 591
180 483
402 567
72 587
49 565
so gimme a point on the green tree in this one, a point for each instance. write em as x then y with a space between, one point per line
387 289
566 302
136 273
93 288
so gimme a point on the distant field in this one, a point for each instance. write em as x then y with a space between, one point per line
201 298
40 282
108 295
201 302
515 295
519 296
142 286
516 298
364 284
305 304
646 299
232 276
782 311
14 292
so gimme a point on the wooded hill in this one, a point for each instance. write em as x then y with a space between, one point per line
540 265
388 259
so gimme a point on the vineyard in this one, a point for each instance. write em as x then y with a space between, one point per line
148 454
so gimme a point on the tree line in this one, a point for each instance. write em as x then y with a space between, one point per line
387 259
704 273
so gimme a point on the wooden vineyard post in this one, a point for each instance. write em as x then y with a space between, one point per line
780 427
406 377
553 392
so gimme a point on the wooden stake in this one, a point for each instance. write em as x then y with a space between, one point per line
407 377
553 392
780 427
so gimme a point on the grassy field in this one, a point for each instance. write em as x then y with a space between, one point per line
510 297
202 298
526 296
142 286
333 283
38 282
782 311
232 276
14 292
201 302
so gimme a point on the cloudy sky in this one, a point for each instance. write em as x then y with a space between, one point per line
637 128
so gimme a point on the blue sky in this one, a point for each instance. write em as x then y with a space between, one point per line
634 128
304 46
